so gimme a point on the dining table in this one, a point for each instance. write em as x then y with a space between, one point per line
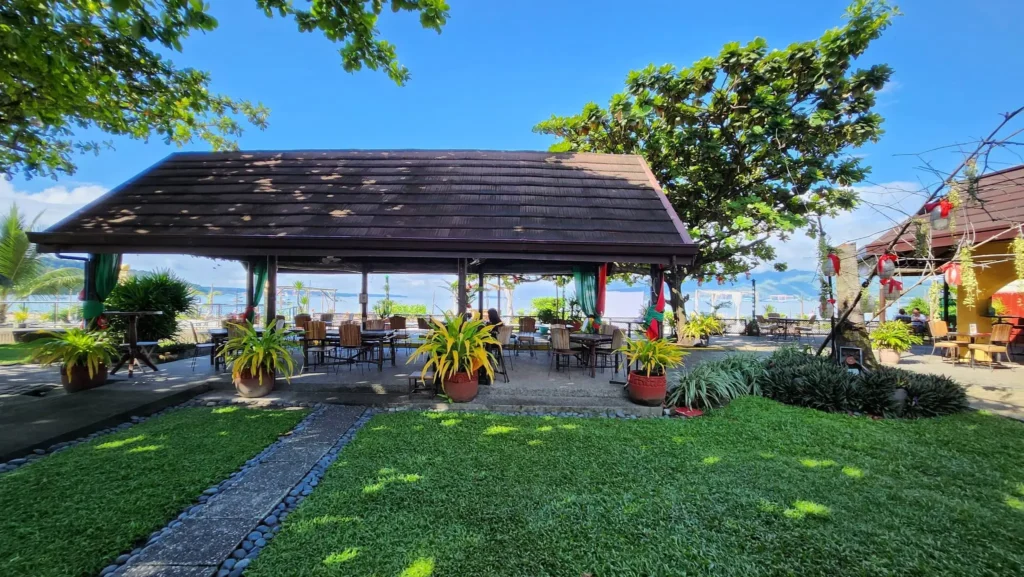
590 342
964 340
134 353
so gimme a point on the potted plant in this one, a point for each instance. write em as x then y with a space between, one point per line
699 329
891 339
21 317
456 349
83 356
256 358
648 385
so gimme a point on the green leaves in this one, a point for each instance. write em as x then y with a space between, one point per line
70 65
767 126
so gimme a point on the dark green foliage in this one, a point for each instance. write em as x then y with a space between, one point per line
797 378
755 489
158 291
715 383
73 512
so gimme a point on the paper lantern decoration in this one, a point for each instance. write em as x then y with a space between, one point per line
951 272
939 213
893 290
828 309
830 266
886 266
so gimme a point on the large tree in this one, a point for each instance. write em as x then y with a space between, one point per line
72 65
748 145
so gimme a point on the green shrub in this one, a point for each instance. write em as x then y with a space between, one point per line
894 335
797 378
715 383
158 291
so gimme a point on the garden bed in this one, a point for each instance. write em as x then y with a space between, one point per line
756 488
73 512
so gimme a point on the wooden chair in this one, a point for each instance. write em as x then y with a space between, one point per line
610 351
315 341
504 338
942 340
423 323
561 348
998 343
767 328
398 324
375 324
301 320
806 330
527 334
327 318
205 347
353 347
608 329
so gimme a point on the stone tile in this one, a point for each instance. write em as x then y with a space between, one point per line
197 541
277 475
299 452
161 570
254 504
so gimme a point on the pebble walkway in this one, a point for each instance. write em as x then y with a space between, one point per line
210 536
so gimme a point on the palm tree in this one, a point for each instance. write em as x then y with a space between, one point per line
22 271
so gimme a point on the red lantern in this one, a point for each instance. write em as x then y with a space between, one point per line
886 266
951 272
893 290
830 266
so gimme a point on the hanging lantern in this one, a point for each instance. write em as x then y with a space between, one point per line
893 290
886 266
828 309
830 266
939 214
951 272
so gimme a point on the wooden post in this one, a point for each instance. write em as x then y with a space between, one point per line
271 288
480 294
462 298
248 288
500 286
364 297
945 300
882 304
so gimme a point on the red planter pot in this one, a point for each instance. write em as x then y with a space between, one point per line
80 380
249 385
644 390
461 387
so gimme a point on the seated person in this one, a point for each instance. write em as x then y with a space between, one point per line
918 321
902 316
493 318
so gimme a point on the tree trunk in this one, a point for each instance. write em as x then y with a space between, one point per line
852 334
677 300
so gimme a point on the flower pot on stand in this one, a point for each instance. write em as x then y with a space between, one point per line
251 386
461 387
647 390
80 379
888 357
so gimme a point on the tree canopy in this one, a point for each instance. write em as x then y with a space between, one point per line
67 66
750 144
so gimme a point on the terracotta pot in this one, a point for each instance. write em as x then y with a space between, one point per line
888 357
644 390
248 385
80 380
461 387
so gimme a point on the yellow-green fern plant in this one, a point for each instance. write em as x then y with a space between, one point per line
653 356
247 350
76 347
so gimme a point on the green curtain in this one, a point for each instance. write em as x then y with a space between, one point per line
259 274
586 290
106 268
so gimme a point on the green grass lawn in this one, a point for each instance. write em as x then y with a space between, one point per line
73 512
757 488
17 354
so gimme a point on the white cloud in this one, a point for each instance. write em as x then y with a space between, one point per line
882 207
52 204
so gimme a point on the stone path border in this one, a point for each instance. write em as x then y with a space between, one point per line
236 518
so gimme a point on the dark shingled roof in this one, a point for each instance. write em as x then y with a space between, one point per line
997 212
478 204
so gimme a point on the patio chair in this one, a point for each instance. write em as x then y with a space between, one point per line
610 351
301 320
375 324
423 323
398 324
205 347
806 330
315 341
327 318
354 349
942 340
527 334
561 347
998 343
504 338
608 329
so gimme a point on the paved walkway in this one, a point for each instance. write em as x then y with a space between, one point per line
31 422
207 538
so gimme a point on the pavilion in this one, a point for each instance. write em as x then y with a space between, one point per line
380 211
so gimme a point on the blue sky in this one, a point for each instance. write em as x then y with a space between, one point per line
500 67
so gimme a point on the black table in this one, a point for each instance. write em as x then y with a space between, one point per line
590 342
135 352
